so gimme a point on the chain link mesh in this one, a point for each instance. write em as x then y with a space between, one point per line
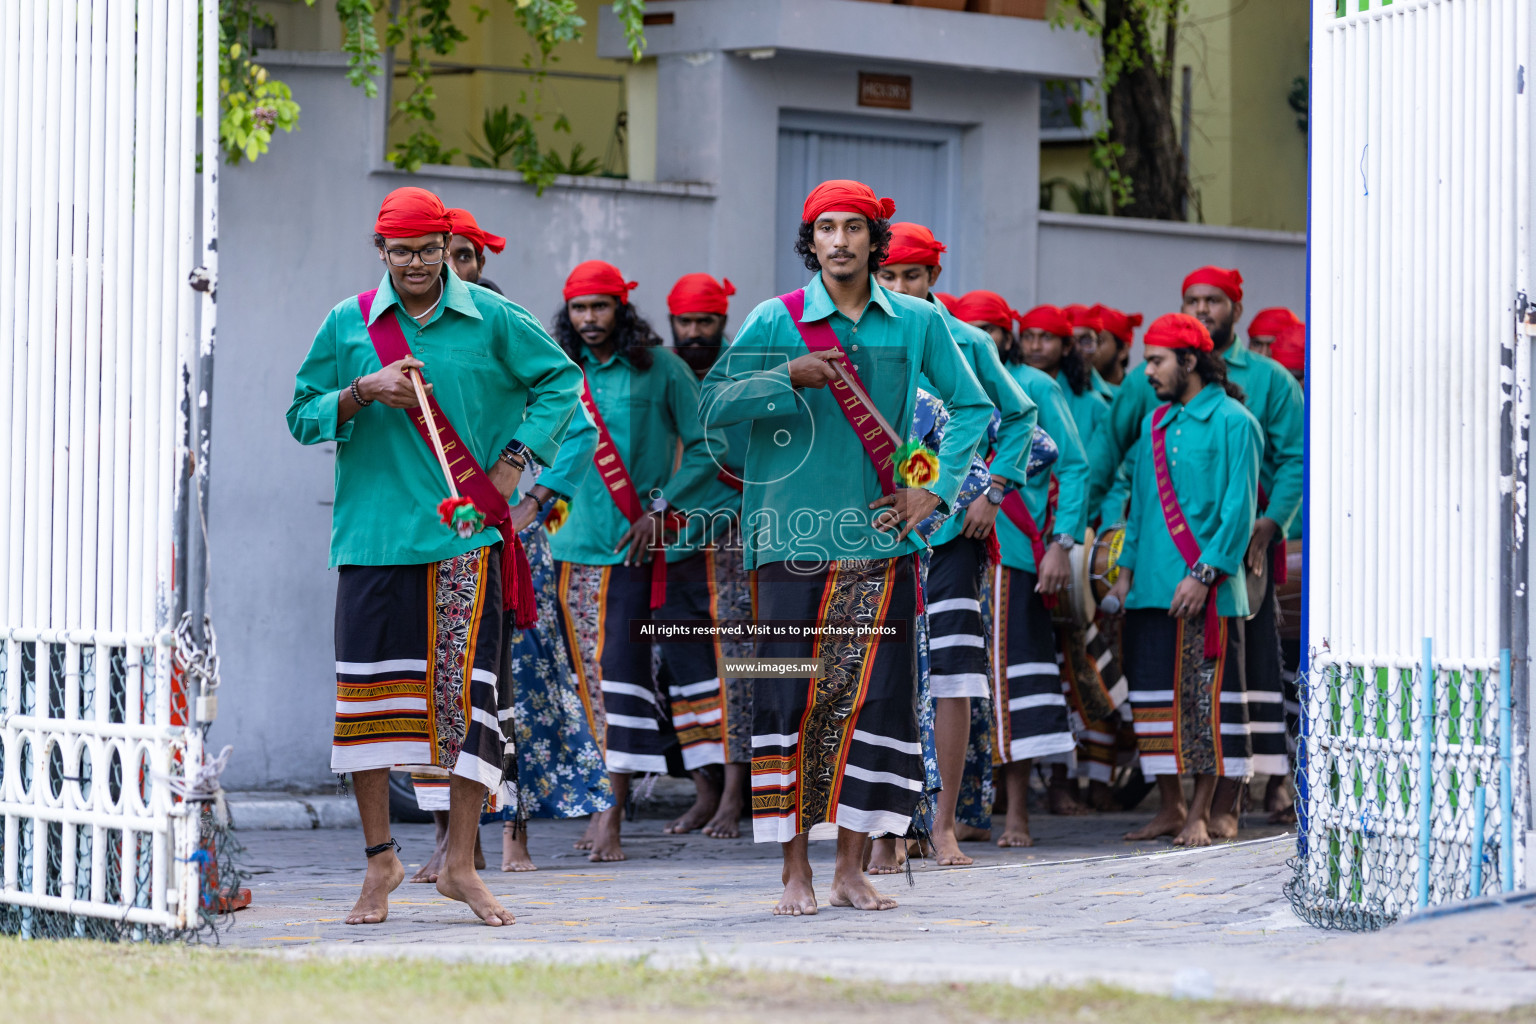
1362 780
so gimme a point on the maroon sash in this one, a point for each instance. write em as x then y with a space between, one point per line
516 578
610 466
852 397
1017 511
1178 528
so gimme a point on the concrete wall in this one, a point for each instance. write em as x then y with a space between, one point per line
1138 265
295 238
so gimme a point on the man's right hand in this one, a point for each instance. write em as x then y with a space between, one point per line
980 518
813 370
392 385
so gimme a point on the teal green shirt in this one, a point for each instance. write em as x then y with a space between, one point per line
1070 470
1015 429
1214 450
1089 411
809 480
574 462
648 413
1273 397
1103 386
498 378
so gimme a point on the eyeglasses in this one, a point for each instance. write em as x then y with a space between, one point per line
430 256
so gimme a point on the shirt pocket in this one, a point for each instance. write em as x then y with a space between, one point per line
1198 473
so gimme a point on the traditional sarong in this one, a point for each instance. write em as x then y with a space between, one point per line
927 803
692 670
1029 706
974 806
957 635
1096 688
842 750
560 769
1191 716
734 603
1265 678
597 603
418 652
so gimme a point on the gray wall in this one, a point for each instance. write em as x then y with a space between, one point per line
1138 266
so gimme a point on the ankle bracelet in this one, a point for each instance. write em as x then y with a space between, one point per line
374 851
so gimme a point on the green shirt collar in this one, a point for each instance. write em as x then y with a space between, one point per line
455 297
819 305
1236 354
587 356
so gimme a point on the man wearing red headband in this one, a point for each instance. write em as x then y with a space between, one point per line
417 675
466 250
1214 296
1195 471
1266 326
1114 347
959 670
620 554
831 494
698 306
1096 687
990 312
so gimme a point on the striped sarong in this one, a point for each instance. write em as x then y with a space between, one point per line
418 653
956 634
842 750
1264 677
1096 688
1191 712
692 669
1029 705
734 603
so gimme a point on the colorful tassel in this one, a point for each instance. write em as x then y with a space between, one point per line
555 518
461 514
916 464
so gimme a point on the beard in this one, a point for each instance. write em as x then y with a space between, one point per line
701 353
1175 388
1221 336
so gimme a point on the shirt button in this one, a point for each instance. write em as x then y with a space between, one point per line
855 348
770 406
855 330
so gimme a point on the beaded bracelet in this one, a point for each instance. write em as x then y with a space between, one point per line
357 396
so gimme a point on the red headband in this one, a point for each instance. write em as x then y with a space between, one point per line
595 277
950 303
986 307
913 243
1268 323
464 224
1229 281
410 212
1177 330
1049 319
846 197
1121 325
700 293
1290 348
1084 316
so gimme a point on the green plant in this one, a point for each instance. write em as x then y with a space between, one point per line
1298 100
252 104
1091 195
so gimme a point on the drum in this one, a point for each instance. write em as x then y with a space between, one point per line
1104 567
1288 596
1076 605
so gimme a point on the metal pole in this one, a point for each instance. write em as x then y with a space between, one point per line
1506 793
206 280
1479 808
1426 766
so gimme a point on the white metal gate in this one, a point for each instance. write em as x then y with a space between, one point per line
99 341
1411 772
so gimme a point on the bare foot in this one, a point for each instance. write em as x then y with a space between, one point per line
514 850
1194 833
1016 830
1101 797
1167 822
1278 801
1062 799
470 889
385 873
705 802
605 836
1221 826
427 873
854 890
726 824
946 849
971 834
799 899
587 837
479 853
886 857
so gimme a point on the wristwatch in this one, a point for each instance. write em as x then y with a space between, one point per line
996 494
1206 574
659 505
1064 541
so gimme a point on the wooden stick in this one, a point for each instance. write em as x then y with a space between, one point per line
862 396
437 442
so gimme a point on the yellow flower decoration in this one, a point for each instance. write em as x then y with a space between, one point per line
916 464
558 513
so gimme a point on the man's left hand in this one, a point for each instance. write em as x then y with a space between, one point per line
524 513
1264 530
505 477
640 538
909 505
1054 570
1188 599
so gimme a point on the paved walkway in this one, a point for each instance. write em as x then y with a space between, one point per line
1079 907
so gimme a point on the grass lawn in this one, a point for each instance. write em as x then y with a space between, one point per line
80 981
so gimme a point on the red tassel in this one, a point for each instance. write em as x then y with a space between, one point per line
658 578
1278 564
994 549
517 594
917 577
1212 626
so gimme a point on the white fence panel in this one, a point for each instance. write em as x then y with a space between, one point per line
98 329
1418 194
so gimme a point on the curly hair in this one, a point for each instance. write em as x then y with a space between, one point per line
1074 367
1212 369
633 336
879 244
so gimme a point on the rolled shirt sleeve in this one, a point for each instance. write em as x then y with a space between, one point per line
1242 452
317 391
574 460
553 382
